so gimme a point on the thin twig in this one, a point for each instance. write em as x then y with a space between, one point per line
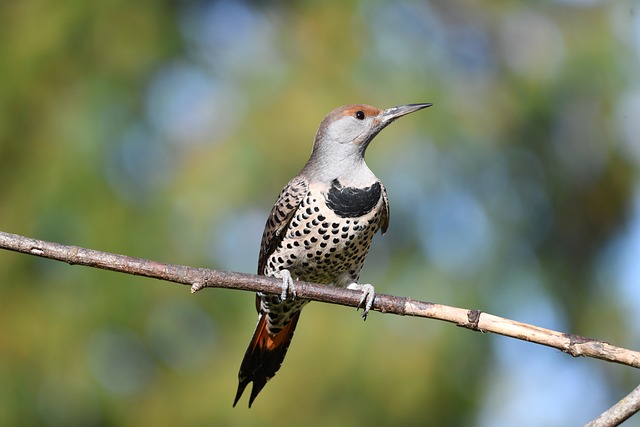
199 278
620 412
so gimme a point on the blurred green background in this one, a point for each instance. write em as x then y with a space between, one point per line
165 130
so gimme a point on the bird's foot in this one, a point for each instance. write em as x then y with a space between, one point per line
368 295
288 286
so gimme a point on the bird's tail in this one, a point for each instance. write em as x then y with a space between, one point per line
264 356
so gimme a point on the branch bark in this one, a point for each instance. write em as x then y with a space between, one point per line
199 278
620 412
476 320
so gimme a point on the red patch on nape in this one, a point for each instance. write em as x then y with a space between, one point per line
368 110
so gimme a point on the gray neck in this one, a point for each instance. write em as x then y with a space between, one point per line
351 171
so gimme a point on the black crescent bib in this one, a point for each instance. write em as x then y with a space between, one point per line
352 202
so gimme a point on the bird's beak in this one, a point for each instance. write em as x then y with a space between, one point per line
390 114
386 117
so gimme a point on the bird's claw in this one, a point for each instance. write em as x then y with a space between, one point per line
368 296
288 286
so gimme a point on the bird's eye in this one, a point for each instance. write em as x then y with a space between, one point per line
359 115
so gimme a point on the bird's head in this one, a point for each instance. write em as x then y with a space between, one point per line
345 134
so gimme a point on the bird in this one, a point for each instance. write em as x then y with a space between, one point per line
319 230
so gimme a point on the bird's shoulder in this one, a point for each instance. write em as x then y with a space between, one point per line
280 216
384 222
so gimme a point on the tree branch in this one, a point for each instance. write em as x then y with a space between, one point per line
199 278
476 320
620 412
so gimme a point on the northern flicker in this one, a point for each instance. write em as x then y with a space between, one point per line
319 230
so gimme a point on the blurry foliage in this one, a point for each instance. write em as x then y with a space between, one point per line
165 130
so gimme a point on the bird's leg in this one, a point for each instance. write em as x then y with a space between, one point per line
288 286
368 295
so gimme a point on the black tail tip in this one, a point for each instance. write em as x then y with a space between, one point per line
241 386
257 387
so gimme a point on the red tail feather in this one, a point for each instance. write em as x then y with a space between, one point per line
264 356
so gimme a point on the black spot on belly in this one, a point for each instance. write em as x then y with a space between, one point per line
351 202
